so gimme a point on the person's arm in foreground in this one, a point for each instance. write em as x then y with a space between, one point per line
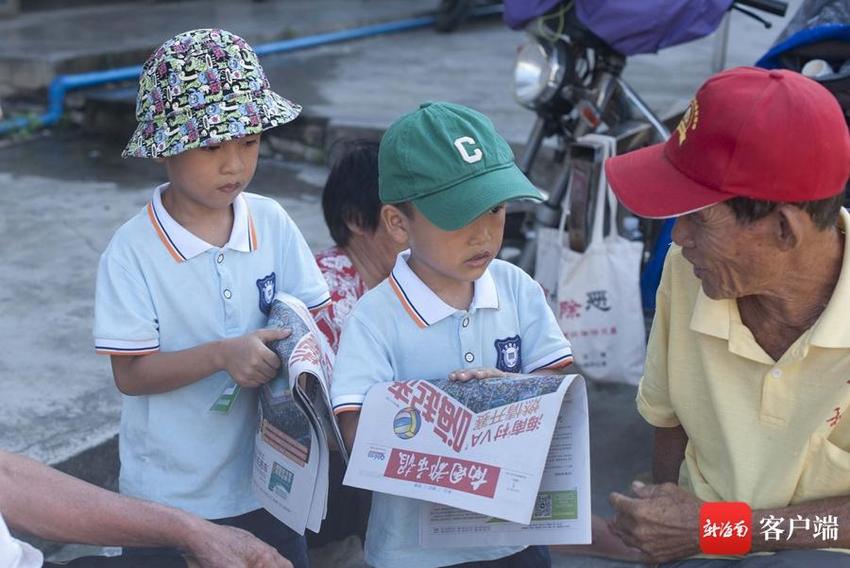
41 501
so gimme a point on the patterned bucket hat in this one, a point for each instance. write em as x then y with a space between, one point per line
200 88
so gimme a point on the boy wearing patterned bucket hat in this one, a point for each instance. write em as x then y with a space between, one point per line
448 308
184 287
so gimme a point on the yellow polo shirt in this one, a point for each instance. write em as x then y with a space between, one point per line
769 433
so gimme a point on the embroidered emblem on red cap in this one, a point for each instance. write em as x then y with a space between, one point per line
689 121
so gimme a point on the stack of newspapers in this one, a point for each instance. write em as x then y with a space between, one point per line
495 462
296 423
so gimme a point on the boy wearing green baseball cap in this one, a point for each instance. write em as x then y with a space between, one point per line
449 308
184 287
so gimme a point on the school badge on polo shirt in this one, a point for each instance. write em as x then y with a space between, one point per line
266 286
509 354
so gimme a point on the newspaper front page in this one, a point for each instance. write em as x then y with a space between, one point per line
499 461
291 446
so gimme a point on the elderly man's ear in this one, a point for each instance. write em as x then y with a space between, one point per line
396 223
791 224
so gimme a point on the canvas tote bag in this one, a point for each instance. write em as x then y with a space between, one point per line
595 294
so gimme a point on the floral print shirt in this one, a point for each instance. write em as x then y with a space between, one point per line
346 287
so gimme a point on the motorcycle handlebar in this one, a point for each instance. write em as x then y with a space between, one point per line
774 7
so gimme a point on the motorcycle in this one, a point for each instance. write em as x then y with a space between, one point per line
571 77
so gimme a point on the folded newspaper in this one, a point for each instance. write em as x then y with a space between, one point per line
291 453
503 461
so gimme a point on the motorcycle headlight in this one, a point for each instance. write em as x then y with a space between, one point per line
538 72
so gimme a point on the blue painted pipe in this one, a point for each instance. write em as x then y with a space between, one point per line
56 95
60 86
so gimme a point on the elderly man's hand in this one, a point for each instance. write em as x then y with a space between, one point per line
660 520
229 547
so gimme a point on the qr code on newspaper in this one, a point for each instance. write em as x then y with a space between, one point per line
543 507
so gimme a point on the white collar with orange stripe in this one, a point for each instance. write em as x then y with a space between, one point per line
183 245
427 308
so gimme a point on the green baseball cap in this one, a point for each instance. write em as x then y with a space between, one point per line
449 161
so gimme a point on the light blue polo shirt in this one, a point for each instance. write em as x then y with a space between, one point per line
401 329
161 288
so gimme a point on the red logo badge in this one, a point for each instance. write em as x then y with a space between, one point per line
725 528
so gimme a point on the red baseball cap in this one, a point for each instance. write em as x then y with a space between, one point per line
767 135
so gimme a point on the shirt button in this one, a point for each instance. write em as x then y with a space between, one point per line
227 294
776 373
220 258
469 357
465 322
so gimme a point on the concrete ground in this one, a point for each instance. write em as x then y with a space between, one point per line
63 195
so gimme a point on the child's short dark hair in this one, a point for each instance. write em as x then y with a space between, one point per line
351 191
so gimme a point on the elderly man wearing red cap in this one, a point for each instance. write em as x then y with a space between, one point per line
747 374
